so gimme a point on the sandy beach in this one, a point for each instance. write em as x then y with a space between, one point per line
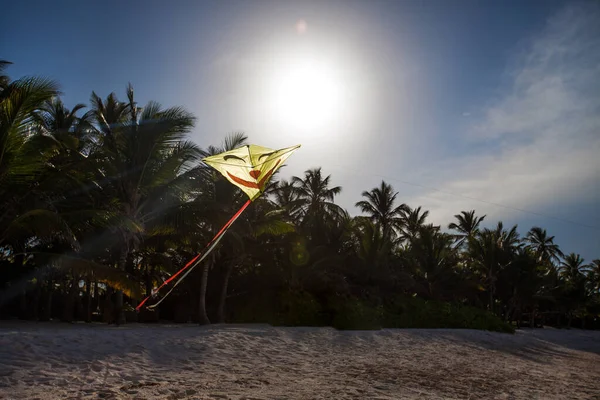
60 361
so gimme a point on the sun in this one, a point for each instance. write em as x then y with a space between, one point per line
306 95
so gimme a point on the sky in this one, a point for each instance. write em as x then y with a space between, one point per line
460 105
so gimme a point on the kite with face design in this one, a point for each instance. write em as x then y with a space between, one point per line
250 167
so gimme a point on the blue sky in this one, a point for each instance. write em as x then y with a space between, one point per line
457 104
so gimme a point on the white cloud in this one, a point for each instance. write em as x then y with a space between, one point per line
541 140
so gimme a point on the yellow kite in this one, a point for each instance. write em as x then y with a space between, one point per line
249 168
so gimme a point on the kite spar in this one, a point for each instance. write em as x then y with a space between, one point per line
250 168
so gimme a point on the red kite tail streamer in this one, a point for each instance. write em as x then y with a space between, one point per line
196 260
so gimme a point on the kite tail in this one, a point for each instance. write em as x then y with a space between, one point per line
196 260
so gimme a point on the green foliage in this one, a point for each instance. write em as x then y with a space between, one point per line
298 309
353 314
111 202
258 309
413 312
408 312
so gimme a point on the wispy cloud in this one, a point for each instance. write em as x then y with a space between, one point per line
541 139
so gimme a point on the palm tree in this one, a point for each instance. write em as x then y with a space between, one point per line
19 158
542 245
412 222
262 221
372 247
523 284
4 79
315 197
432 259
22 157
492 250
36 175
147 162
379 204
572 269
55 117
594 276
467 226
572 272
285 196
108 113
507 240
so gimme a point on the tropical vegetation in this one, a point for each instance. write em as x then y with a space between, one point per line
99 204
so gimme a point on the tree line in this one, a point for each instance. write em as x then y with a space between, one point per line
100 204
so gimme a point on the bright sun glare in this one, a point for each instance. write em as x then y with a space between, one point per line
306 95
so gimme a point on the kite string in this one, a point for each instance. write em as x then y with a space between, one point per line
190 269
207 248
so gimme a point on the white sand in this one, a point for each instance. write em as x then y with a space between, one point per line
60 361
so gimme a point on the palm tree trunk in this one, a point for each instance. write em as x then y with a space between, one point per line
70 301
23 305
36 302
46 313
512 306
491 291
107 307
119 314
223 296
149 274
96 297
19 261
202 302
88 296
510 312
532 318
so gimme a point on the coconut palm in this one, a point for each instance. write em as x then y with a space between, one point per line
55 117
372 247
522 284
542 245
593 272
147 162
572 273
467 226
285 196
411 223
572 268
261 222
22 156
432 259
490 251
316 197
4 79
380 207
36 174
19 157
